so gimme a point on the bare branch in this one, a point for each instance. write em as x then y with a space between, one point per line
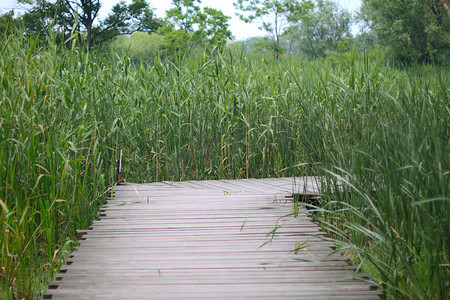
446 7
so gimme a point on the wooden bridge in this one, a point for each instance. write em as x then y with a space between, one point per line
225 239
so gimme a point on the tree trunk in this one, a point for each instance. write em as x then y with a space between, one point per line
88 26
89 10
277 47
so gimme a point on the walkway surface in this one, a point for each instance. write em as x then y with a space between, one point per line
225 239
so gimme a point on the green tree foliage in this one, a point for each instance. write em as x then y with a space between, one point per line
323 29
63 14
175 41
44 17
366 40
213 27
184 14
7 22
60 16
87 11
273 15
126 19
189 28
414 30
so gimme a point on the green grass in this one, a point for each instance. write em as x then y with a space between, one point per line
65 116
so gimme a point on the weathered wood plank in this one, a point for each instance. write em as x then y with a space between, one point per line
208 239
225 291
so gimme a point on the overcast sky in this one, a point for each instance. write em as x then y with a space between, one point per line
239 29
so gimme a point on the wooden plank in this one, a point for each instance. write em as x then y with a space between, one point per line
227 291
207 239
237 276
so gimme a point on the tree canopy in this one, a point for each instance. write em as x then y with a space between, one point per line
322 29
65 16
274 16
414 30
125 19
409 31
189 26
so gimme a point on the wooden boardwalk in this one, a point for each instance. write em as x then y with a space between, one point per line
226 239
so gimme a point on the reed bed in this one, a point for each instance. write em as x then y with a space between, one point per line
385 136
66 114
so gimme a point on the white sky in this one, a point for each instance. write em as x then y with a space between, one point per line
239 29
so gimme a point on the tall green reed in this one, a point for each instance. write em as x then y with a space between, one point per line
384 133
53 176
66 114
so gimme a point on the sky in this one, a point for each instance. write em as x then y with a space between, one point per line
239 29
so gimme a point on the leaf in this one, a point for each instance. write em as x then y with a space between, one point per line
3 205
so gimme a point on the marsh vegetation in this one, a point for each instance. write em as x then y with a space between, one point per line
66 113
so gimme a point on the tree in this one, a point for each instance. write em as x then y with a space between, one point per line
65 13
322 29
7 22
184 14
189 27
213 27
43 17
61 15
415 30
273 15
175 41
126 19
87 11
